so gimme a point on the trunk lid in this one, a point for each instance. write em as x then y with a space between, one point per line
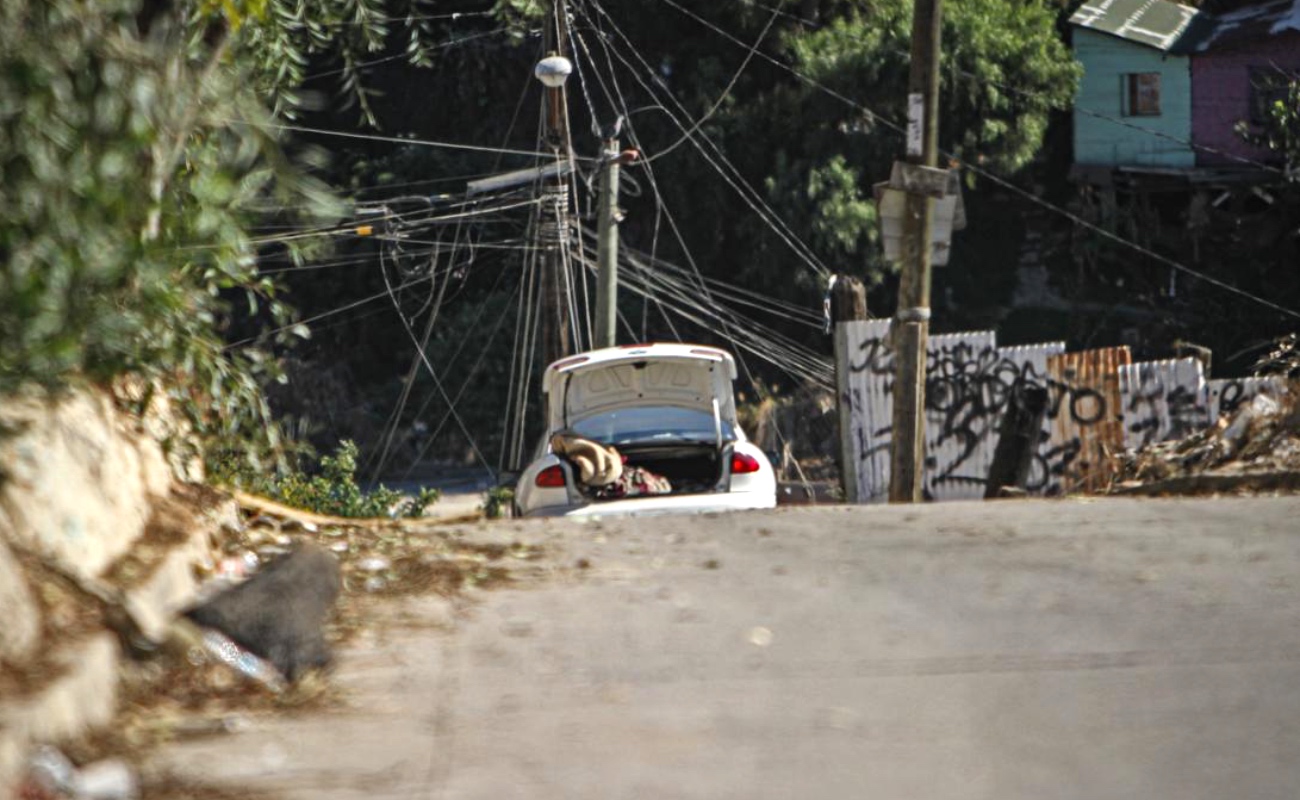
600 381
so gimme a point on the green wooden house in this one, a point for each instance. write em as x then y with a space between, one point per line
1134 106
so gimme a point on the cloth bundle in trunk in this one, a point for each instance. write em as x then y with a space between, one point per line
597 464
605 470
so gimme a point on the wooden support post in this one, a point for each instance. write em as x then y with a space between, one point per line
1018 439
848 303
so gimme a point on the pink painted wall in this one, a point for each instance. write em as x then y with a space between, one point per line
1221 94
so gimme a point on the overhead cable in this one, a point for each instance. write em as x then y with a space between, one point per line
1008 185
715 158
372 137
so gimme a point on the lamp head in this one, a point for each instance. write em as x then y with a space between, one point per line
553 71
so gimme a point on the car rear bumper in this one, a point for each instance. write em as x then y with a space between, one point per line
667 504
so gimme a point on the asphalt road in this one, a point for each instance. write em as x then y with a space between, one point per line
1062 649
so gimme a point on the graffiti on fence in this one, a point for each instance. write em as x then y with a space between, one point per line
1070 407
1099 403
968 382
1162 400
1087 427
1226 395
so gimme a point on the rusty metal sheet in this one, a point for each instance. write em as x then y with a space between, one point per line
1087 416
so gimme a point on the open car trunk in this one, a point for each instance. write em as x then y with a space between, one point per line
667 409
687 468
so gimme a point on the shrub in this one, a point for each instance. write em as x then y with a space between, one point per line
333 490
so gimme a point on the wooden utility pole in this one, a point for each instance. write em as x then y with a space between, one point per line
912 320
607 244
554 210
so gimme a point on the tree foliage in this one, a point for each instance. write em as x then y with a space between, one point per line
1280 131
333 489
1003 71
142 143
135 158
809 156
814 154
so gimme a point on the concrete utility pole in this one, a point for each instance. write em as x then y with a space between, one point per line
607 242
552 71
912 320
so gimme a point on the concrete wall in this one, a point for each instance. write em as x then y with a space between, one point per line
1221 96
1162 140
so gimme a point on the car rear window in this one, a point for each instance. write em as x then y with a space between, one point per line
647 424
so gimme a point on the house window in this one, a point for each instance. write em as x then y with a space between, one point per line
1141 94
1268 86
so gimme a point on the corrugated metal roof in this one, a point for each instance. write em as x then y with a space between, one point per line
1154 23
1251 24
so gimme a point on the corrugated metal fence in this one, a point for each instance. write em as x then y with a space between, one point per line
1099 403
1087 420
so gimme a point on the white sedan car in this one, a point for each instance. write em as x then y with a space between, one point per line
667 412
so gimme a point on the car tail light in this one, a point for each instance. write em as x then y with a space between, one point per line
742 463
550 478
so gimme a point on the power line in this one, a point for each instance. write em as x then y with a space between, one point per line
785 354
395 417
726 90
409 219
469 378
1006 184
383 20
351 228
790 356
1159 134
813 24
385 59
808 23
621 103
741 296
1132 245
336 310
734 179
699 286
437 381
372 137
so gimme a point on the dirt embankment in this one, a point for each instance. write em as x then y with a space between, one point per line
103 546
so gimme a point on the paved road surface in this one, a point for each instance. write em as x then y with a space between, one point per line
1069 649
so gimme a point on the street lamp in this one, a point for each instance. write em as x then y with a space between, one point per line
553 71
